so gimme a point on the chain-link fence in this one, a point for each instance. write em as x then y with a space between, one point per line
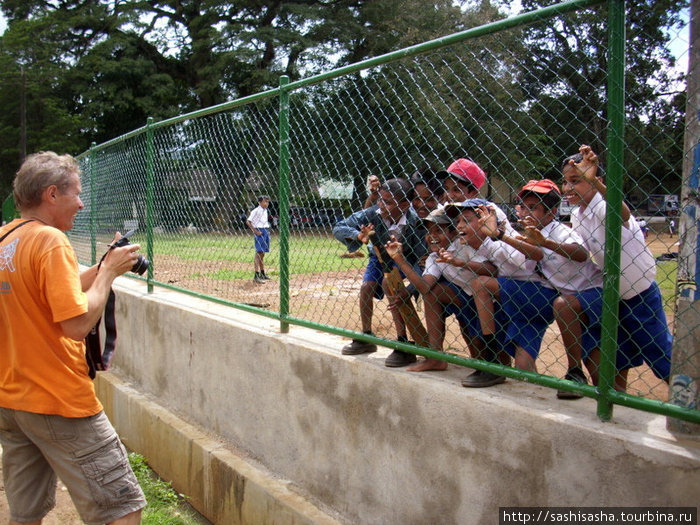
506 95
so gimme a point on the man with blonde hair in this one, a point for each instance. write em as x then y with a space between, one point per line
51 422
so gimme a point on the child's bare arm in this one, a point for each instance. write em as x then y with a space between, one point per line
588 169
395 250
482 268
373 191
532 235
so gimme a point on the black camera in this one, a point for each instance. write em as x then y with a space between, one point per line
141 263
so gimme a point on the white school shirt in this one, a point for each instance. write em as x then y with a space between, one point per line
258 218
511 263
561 273
637 264
459 276
394 228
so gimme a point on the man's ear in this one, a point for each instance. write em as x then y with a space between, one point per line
50 193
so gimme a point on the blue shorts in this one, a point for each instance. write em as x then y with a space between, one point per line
262 241
465 311
528 306
468 316
643 335
591 302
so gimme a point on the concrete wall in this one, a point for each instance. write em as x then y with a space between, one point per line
344 438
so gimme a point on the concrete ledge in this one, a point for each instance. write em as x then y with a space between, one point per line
222 485
362 443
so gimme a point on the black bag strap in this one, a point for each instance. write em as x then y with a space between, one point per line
13 229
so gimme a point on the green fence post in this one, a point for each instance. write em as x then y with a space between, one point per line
613 222
93 205
149 201
284 203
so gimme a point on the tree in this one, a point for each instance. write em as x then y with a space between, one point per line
112 64
564 75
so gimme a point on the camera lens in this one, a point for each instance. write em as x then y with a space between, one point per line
141 265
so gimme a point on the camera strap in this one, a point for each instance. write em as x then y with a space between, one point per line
97 358
13 229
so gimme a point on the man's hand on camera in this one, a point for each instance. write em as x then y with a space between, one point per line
121 259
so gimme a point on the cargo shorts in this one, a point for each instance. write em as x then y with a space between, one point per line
85 453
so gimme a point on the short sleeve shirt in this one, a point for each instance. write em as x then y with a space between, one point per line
454 274
637 264
562 273
259 218
42 370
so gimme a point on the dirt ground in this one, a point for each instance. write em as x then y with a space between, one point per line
333 296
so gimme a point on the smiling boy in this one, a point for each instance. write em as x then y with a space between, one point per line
444 287
643 334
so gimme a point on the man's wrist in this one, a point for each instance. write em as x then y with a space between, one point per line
499 234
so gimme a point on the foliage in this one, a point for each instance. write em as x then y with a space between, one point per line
564 75
165 505
89 71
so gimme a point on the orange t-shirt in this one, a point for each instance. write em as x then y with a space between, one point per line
41 370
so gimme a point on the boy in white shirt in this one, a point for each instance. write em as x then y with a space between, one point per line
556 261
444 287
565 269
259 223
643 334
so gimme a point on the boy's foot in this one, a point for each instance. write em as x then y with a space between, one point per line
481 379
398 358
265 276
428 364
573 374
258 279
357 347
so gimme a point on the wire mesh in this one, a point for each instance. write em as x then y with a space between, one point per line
488 99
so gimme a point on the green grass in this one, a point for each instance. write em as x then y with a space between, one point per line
666 277
165 505
310 252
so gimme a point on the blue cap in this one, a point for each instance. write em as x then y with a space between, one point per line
455 208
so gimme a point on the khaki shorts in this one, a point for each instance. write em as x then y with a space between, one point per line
85 453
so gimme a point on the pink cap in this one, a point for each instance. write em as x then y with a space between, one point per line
466 170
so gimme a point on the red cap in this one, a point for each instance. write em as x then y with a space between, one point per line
466 170
540 186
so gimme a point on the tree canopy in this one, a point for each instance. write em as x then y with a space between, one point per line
83 71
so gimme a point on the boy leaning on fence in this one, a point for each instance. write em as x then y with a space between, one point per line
565 269
643 334
259 222
462 181
392 215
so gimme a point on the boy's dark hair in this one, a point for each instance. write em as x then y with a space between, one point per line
550 200
263 198
433 184
578 157
400 189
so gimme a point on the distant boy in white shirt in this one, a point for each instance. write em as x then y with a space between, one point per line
643 334
259 223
